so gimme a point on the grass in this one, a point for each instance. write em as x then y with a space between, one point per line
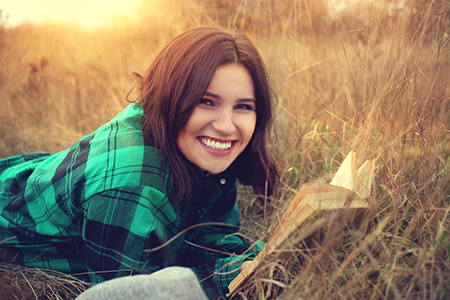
372 80
26 283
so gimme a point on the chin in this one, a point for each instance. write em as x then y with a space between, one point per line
216 170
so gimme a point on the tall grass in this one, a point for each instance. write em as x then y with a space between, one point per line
372 80
382 91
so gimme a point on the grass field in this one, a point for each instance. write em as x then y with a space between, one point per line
373 80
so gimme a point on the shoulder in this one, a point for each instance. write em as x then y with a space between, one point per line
123 131
117 155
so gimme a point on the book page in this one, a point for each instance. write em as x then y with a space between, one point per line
347 184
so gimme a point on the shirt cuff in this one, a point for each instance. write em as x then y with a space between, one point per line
216 274
226 271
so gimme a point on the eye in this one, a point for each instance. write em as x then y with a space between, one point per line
206 102
244 107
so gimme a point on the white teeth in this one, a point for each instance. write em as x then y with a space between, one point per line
215 144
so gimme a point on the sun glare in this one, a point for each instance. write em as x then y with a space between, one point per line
86 13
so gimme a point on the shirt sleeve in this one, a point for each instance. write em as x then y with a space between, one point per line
118 225
224 252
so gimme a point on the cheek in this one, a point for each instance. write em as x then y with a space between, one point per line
253 125
182 142
248 128
179 142
198 119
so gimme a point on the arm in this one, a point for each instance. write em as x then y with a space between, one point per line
118 225
223 252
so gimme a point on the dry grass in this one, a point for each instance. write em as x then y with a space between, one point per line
383 93
371 81
26 283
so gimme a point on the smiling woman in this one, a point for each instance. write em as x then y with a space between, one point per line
222 125
154 188
85 13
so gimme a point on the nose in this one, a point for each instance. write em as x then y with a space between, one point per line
224 123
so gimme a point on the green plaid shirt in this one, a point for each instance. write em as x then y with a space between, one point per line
93 209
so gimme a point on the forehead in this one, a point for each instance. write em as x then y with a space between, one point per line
232 80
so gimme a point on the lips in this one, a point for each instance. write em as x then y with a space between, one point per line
215 144
217 147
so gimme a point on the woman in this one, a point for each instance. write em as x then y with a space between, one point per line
156 186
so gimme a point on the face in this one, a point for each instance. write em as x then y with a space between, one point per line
223 122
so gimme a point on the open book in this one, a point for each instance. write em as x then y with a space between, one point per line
348 189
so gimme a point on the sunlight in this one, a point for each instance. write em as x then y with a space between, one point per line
88 14
340 5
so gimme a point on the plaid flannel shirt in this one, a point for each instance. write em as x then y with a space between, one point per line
94 209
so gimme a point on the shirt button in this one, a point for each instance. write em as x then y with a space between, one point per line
223 181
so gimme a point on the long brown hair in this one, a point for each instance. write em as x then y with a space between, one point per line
173 86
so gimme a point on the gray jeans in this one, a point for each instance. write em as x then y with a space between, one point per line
176 283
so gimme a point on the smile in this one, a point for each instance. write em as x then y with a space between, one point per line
215 145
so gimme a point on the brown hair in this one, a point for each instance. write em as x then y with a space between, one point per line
173 86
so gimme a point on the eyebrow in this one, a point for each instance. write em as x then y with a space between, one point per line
215 96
